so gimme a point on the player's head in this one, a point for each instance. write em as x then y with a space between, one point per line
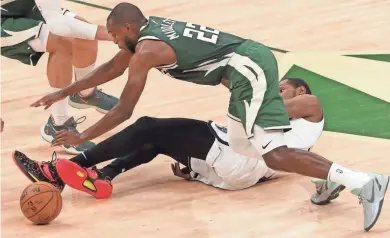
292 87
124 23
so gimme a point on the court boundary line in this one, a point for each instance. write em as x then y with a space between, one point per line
90 4
109 9
351 54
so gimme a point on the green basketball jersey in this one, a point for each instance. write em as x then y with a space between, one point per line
202 53
16 8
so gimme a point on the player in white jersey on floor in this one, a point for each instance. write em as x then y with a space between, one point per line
307 120
202 147
257 116
305 112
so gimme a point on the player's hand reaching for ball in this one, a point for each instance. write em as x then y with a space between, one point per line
65 137
49 99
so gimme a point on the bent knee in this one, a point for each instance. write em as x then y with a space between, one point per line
275 158
59 44
277 153
145 122
85 47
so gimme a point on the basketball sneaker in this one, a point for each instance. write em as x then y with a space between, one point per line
91 181
326 191
99 100
48 133
38 171
371 196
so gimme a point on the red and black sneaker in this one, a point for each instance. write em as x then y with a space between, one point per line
38 171
91 181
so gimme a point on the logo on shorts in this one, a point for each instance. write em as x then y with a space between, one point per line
266 145
17 37
339 171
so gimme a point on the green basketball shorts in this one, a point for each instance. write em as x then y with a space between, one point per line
16 33
254 85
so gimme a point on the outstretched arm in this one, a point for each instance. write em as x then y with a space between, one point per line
106 72
139 67
148 54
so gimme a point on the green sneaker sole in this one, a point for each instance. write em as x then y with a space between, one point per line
85 106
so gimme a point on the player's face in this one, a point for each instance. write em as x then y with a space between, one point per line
286 90
124 35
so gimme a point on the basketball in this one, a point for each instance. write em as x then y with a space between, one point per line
41 203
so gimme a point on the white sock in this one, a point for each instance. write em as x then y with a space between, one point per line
81 73
59 110
349 178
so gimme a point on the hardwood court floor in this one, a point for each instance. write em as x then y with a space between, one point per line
149 201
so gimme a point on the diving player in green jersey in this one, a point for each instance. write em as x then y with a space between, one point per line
194 53
29 29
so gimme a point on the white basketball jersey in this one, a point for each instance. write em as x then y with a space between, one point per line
303 134
229 170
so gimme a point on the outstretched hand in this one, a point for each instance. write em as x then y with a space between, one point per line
65 137
49 99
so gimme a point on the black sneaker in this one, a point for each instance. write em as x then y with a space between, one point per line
38 171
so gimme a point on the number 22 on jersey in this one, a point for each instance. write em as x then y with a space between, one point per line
191 30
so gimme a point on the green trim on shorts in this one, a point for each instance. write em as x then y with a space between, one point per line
254 84
15 36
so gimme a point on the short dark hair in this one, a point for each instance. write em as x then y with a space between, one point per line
298 82
126 13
